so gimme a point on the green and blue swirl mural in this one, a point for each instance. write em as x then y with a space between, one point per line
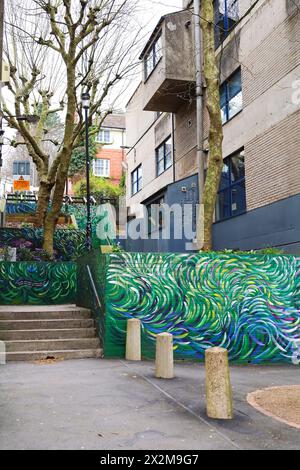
249 304
26 283
68 244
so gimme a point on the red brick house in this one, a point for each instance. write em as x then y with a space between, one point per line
109 158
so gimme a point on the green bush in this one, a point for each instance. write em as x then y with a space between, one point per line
100 187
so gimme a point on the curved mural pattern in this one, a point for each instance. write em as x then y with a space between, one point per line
68 244
249 304
37 283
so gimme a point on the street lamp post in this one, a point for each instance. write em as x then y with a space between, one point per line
85 105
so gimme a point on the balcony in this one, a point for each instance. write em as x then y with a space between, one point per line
168 64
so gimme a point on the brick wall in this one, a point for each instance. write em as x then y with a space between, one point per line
116 157
274 58
272 163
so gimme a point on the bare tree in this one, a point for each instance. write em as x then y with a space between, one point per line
212 102
57 49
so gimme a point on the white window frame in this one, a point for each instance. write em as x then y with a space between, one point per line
103 170
102 138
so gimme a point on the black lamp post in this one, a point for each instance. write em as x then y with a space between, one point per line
85 97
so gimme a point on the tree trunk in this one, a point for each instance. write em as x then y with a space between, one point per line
53 214
215 162
64 157
43 202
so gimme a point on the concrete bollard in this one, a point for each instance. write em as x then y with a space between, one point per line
218 386
133 340
164 363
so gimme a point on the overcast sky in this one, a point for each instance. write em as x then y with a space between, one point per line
149 17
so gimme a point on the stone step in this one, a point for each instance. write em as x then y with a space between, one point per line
43 313
46 324
15 335
63 354
52 344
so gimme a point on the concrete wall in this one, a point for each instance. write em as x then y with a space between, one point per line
144 153
168 81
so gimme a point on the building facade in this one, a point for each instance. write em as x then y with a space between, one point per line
259 60
111 153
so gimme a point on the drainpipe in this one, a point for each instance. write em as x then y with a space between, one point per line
173 147
199 123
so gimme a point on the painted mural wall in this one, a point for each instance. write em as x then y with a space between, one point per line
68 244
91 275
26 283
249 304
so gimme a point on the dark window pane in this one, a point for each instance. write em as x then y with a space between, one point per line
136 180
160 167
223 95
237 167
234 84
157 50
223 205
238 198
22 168
225 176
232 194
15 168
168 160
160 153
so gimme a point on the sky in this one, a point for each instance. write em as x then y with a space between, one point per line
149 17
151 11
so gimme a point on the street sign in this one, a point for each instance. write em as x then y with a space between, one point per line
21 184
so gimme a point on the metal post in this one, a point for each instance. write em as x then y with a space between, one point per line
199 106
1 65
88 191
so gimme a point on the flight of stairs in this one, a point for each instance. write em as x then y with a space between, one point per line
48 332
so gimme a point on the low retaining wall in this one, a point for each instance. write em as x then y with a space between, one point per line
28 283
91 280
68 244
249 304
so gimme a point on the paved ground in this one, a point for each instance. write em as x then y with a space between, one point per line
102 404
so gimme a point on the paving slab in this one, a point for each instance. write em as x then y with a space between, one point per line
113 404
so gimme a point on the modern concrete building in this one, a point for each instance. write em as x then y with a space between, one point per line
111 153
257 48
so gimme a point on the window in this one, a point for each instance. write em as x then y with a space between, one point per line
101 167
231 96
136 180
226 16
104 136
152 57
21 168
232 193
164 156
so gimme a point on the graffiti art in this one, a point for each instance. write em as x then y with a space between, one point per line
249 304
24 283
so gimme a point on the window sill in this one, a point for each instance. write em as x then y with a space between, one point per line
134 194
160 174
230 119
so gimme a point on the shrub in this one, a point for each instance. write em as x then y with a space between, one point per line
100 187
